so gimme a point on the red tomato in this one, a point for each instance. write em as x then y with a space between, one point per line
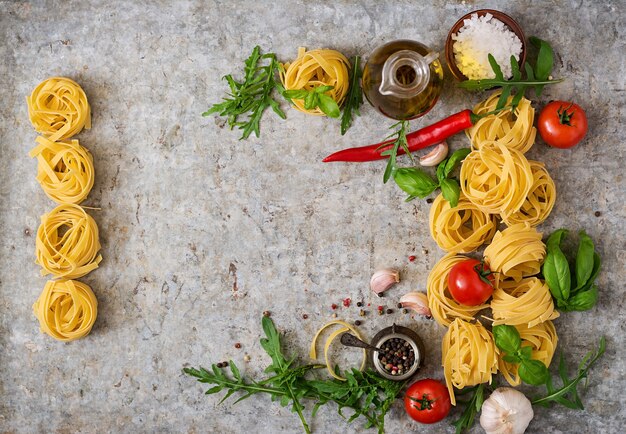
471 282
427 401
562 124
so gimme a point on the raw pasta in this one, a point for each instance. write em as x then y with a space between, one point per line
541 338
516 252
469 356
67 242
345 327
66 309
461 229
64 170
58 108
527 302
317 68
442 306
496 179
539 201
514 130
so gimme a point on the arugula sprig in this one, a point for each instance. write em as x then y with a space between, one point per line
417 183
316 98
572 290
471 406
399 141
355 96
367 394
536 77
252 95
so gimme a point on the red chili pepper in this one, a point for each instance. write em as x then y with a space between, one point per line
427 136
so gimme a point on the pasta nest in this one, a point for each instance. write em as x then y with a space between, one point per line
541 338
516 252
496 179
461 229
67 242
469 355
527 302
58 108
316 68
539 201
66 309
64 170
514 130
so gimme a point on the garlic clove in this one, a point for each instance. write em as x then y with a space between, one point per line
416 301
384 279
507 411
435 156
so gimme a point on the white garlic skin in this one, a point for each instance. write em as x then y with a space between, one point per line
507 411
384 279
435 156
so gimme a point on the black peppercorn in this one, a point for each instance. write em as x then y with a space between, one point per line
399 305
359 304
357 323
389 311
597 213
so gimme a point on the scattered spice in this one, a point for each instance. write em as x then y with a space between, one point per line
246 358
334 315
224 364
399 305
389 311
429 200
266 313
597 213
237 345
305 316
412 258
333 306
397 356
425 251
357 323
359 303
361 312
346 302
405 311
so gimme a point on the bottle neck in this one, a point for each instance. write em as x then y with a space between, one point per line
406 73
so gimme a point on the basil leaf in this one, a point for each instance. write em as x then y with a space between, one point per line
583 300
555 239
584 260
454 159
526 352
451 191
295 94
533 372
511 358
441 170
310 101
545 58
414 182
322 89
328 106
507 338
557 274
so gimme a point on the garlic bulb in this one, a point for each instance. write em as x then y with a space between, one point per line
416 301
507 411
384 279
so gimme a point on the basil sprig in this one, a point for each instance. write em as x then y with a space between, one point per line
316 98
531 371
417 183
572 290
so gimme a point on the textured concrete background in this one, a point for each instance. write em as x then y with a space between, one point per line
202 232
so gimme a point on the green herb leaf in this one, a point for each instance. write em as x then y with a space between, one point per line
295 94
400 141
533 372
545 61
451 191
328 106
354 99
453 160
584 300
584 260
526 352
471 407
310 100
414 182
507 338
556 268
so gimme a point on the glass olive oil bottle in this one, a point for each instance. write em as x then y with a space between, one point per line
403 79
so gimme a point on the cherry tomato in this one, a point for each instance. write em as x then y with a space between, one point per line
427 401
471 282
562 124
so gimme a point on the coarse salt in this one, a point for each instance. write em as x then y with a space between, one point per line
479 37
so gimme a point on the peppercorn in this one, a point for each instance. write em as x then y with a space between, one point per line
246 358
389 311
359 303
429 200
305 316
399 305
224 364
404 311
237 345
361 312
357 323
266 313
380 312
597 213
219 365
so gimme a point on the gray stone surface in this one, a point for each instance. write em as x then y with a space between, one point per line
202 232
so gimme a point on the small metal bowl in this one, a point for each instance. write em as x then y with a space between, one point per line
396 331
507 20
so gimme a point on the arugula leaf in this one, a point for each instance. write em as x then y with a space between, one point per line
400 141
251 96
354 98
471 407
536 79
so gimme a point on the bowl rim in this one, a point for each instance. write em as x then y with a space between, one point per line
416 350
499 15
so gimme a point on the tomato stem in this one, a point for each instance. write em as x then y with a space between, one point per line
484 272
424 404
565 118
